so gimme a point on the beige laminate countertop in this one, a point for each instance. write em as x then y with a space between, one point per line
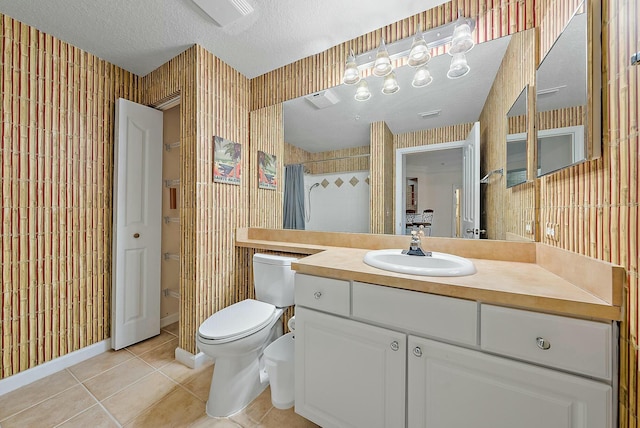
543 279
515 284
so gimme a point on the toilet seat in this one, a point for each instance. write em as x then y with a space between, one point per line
237 321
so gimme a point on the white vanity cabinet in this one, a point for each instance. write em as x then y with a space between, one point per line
376 356
450 386
352 374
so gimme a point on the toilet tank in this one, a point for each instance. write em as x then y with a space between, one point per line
273 279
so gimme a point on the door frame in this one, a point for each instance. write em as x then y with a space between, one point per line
401 173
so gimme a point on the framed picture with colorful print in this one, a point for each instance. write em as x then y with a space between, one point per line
267 171
226 161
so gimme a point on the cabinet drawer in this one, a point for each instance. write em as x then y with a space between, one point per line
324 294
570 344
445 318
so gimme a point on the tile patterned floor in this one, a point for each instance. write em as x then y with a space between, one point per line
139 386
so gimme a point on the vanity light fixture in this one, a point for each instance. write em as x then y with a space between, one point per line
419 54
382 66
351 72
459 66
416 52
362 92
390 84
422 77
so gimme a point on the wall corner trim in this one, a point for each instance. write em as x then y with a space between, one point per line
190 360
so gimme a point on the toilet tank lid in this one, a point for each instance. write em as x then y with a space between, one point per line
271 259
281 350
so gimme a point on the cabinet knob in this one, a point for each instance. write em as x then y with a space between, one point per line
317 294
394 345
543 343
136 235
417 351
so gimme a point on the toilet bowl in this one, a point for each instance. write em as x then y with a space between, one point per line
279 362
236 337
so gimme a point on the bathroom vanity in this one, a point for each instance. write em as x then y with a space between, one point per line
528 341
364 350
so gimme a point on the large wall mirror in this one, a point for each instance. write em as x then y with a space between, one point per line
517 141
567 98
332 125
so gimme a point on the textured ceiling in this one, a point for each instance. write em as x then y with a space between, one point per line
141 35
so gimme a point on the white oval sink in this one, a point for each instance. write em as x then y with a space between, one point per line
438 264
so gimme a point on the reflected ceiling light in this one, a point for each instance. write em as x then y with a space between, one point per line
422 77
459 66
362 92
390 85
382 67
419 53
461 42
351 72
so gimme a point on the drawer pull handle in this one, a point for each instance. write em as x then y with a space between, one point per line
317 294
543 343
394 345
417 351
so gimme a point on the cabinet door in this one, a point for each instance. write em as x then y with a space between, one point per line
450 386
348 374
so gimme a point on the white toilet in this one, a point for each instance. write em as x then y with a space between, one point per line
236 336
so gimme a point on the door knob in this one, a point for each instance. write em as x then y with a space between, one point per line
136 235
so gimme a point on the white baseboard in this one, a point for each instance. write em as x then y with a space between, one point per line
45 369
190 360
169 319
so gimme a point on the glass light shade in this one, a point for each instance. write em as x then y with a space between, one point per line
351 72
459 66
422 77
461 41
382 65
390 85
419 53
362 92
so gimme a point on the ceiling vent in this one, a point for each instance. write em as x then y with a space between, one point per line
224 12
323 99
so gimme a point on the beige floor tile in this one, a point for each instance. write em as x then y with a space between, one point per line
54 410
172 328
100 363
117 378
183 374
255 411
133 400
201 383
34 393
94 417
149 344
162 355
277 418
207 422
178 409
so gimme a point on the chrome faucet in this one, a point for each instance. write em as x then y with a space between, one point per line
415 247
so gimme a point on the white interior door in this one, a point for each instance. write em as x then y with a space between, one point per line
471 185
137 225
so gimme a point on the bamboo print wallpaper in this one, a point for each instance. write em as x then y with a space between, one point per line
56 156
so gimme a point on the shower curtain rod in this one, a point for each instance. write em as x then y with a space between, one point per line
331 159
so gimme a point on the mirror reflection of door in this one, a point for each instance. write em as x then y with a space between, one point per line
437 171
412 194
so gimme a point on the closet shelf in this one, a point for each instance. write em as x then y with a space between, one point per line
172 183
171 256
172 219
